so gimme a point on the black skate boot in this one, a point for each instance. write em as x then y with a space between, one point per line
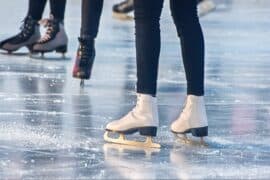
55 38
84 59
122 10
29 35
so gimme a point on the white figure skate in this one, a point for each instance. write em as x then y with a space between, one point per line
143 119
192 120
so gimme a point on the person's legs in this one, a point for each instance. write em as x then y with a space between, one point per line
58 8
91 12
147 15
55 38
144 116
193 118
30 29
185 17
36 9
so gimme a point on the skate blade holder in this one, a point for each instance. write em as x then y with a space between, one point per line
122 148
148 143
122 16
183 138
82 83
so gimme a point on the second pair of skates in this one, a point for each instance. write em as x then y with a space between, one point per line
144 119
55 38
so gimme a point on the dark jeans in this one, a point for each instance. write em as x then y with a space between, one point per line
147 16
36 8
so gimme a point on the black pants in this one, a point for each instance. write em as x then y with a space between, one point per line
36 8
91 12
147 16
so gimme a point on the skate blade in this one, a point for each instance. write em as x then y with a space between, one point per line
40 56
82 83
122 140
122 16
63 55
13 53
182 138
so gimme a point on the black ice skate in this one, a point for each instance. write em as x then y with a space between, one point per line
29 35
55 38
122 10
84 60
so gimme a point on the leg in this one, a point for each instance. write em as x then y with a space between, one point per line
144 117
55 38
185 17
147 14
36 9
193 119
58 8
91 12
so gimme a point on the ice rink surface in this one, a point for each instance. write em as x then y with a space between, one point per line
52 129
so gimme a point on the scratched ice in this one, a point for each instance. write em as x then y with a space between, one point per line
50 128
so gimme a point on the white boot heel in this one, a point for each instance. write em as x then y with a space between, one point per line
193 119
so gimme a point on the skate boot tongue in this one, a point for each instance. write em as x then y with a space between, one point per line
145 97
53 27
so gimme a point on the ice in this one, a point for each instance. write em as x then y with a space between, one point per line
50 128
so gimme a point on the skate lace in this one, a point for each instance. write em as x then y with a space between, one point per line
85 52
138 103
26 27
51 29
184 108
